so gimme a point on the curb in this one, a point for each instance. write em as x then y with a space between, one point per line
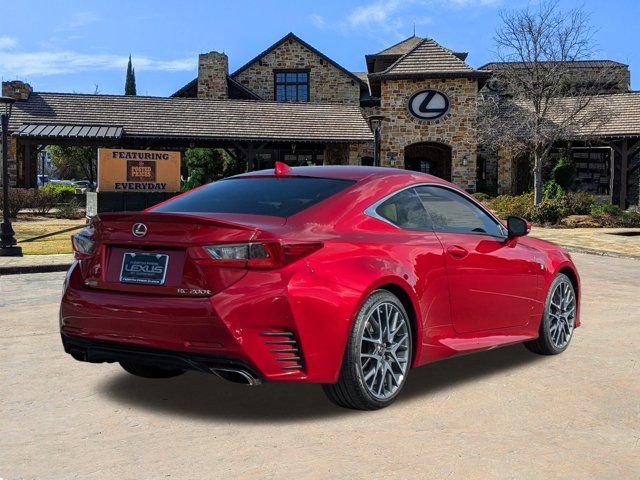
20 269
600 253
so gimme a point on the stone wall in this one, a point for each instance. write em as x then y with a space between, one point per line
16 89
457 129
326 82
213 68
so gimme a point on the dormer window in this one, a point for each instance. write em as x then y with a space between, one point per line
292 86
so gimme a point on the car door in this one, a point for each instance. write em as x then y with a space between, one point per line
493 280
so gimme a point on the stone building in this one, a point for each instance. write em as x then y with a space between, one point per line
292 103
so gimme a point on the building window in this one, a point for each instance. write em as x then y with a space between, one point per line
292 86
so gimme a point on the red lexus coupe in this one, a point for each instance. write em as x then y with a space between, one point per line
343 276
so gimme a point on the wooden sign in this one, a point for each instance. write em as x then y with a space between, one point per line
138 170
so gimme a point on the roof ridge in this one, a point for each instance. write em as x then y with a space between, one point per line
397 62
394 45
293 36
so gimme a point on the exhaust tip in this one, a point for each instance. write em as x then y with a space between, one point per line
236 375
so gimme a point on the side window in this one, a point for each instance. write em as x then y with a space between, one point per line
405 210
451 212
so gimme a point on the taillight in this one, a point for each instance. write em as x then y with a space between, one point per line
259 254
83 246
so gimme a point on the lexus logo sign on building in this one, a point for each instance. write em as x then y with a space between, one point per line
428 104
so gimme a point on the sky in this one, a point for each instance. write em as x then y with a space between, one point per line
83 46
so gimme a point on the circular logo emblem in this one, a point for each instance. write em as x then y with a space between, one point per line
428 104
139 229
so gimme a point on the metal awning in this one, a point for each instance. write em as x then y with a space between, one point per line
69 131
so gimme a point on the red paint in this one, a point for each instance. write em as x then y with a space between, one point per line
466 292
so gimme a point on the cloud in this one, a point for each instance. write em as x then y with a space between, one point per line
23 64
379 12
318 20
82 19
7 43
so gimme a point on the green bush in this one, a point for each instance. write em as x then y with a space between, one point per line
70 210
564 173
63 193
606 209
507 205
481 197
548 212
551 189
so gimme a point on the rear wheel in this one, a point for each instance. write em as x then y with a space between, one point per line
149 371
558 319
377 357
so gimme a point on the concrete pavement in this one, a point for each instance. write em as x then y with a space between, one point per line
506 413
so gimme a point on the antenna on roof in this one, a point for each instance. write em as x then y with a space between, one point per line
414 29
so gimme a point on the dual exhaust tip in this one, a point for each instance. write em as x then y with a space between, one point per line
236 375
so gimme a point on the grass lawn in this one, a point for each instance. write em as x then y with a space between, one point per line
28 226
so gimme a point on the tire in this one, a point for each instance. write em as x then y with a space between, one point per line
376 381
149 371
558 319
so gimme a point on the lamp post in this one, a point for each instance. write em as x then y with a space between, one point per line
375 121
8 242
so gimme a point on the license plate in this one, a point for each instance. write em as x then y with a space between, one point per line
144 268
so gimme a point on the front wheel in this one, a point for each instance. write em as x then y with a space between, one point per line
558 319
377 357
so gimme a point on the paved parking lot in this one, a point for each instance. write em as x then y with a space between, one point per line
501 414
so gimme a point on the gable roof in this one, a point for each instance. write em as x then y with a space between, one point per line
428 58
292 37
187 119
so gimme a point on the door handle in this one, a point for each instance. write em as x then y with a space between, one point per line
457 251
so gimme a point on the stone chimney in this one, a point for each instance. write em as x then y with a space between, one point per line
16 89
213 68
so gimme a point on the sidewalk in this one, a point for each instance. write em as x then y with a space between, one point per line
35 263
600 241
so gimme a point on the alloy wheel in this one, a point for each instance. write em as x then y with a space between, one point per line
562 314
385 350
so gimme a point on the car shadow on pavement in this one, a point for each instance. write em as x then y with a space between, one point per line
196 395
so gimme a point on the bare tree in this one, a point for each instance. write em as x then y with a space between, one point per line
538 96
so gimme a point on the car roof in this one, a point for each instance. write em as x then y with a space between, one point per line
347 172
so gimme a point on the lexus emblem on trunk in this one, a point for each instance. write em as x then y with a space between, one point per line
139 229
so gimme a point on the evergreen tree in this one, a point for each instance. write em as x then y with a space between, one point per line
130 83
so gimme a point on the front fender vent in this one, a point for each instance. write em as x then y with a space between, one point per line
285 349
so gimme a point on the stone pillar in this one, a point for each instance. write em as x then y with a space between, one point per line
213 68
20 91
505 172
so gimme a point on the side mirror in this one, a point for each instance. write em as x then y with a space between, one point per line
517 227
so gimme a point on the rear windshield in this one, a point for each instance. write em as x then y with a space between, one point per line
277 197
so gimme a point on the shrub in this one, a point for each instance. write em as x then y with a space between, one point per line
548 212
43 201
631 218
19 199
71 210
506 205
606 209
63 193
551 189
481 197
563 173
578 203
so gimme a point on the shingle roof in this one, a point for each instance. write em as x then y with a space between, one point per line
621 112
192 118
574 64
428 58
402 47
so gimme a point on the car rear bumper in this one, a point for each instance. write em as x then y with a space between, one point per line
92 351
280 335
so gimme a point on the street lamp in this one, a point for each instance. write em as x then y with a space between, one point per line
375 121
8 242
